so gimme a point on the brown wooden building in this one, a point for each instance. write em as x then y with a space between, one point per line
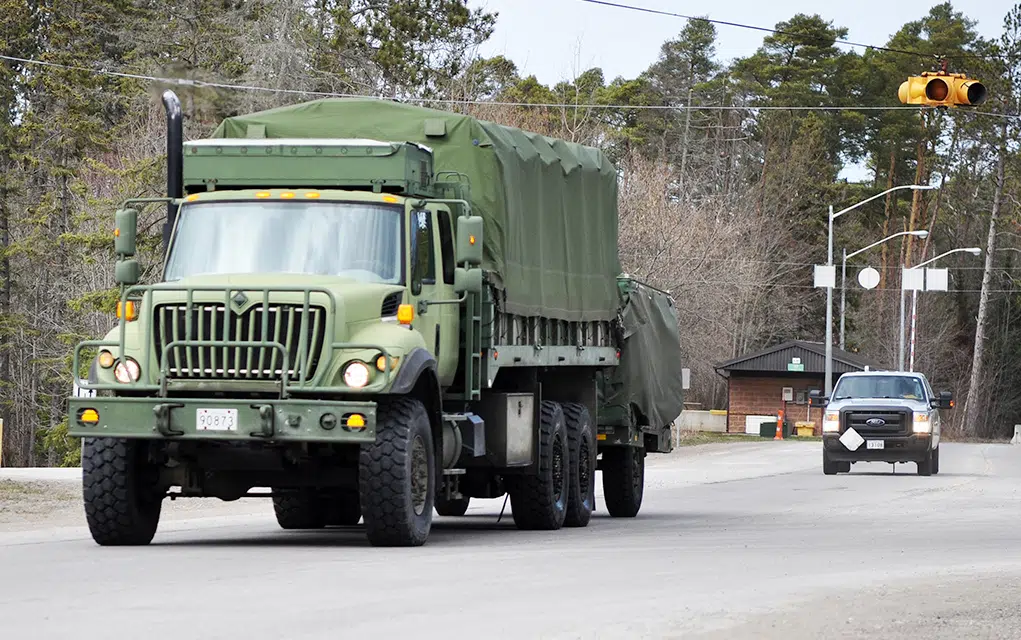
760 384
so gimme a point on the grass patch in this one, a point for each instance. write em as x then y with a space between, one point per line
692 438
12 490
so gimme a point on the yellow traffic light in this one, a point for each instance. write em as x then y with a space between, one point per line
942 90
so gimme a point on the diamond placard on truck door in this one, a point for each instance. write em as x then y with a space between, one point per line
851 439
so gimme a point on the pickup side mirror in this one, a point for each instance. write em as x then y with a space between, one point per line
945 400
817 399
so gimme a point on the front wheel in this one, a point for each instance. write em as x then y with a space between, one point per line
926 464
935 461
121 490
396 476
831 467
623 480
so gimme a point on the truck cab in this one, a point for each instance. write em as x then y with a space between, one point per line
882 416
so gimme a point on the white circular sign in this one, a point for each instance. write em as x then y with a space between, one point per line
868 278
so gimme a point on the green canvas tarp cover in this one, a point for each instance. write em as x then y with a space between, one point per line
649 374
549 206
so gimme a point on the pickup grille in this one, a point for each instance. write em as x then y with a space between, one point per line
285 324
896 423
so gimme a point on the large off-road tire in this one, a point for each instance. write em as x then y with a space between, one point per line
396 476
623 480
298 509
453 507
341 508
581 441
121 490
539 501
830 467
925 465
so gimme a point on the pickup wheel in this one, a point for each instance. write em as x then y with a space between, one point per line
935 461
298 509
453 507
121 490
396 476
925 466
831 467
623 480
539 502
341 508
581 443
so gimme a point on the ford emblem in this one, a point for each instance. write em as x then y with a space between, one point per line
875 422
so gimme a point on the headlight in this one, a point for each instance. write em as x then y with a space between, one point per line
105 359
356 375
127 371
921 423
831 422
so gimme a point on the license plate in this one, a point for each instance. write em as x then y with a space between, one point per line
875 444
216 419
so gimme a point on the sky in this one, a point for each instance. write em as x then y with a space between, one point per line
556 39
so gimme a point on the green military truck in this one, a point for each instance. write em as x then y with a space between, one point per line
376 310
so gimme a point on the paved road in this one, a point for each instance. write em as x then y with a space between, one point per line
734 541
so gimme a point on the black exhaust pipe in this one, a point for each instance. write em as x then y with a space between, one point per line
175 160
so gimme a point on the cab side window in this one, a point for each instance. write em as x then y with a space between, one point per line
446 247
425 266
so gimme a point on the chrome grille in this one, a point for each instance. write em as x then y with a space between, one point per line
286 324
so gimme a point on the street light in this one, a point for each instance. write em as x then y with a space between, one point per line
829 264
975 251
922 233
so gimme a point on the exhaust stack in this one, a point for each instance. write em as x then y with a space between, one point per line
175 160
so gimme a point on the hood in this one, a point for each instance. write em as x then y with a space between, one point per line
356 301
893 403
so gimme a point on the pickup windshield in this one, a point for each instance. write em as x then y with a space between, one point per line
902 387
356 240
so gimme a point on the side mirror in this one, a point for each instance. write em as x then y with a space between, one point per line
469 240
944 401
467 280
817 399
127 272
125 232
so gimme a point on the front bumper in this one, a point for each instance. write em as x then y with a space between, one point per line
912 448
256 420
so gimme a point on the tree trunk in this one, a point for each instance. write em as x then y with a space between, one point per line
884 258
971 404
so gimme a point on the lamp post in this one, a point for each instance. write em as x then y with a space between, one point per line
829 263
975 251
922 233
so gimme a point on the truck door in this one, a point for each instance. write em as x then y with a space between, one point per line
438 323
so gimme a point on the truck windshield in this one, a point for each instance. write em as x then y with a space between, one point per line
355 240
903 387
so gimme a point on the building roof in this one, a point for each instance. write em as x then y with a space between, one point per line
810 355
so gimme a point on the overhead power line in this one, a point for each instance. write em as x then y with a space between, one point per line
188 82
794 34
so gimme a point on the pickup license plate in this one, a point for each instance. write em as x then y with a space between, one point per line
875 444
216 419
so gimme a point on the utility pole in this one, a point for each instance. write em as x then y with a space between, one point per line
970 425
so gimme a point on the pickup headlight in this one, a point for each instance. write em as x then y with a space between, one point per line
921 423
831 422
